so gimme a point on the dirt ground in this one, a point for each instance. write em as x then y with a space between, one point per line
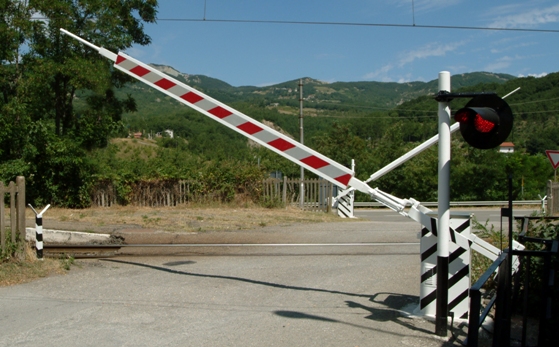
184 218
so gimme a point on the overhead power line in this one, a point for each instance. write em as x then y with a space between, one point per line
394 25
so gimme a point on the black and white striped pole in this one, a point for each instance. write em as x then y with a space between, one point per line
441 315
39 231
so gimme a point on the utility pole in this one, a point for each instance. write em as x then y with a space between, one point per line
301 139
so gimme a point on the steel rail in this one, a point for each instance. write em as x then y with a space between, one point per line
118 246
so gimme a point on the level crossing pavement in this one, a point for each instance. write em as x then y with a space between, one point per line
300 296
482 214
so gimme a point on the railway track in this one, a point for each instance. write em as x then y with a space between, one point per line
111 250
82 251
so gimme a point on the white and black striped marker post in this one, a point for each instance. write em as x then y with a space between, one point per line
458 266
39 231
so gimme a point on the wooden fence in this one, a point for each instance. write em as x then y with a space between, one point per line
147 193
317 196
16 192
317 193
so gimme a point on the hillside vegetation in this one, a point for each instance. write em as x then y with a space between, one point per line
371 122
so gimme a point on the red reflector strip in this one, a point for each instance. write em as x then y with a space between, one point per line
483 125
343 179
250 128
281 144
139 70
220 112
314 162
120 59
165 83
191 97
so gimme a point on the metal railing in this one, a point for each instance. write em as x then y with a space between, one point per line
506 297
459 203
476 316
549 249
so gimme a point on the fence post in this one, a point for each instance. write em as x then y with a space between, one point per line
473 317
284 192
329 207
13 213
20 182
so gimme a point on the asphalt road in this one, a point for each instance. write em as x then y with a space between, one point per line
483 215
319 295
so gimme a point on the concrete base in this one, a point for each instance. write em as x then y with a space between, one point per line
68 237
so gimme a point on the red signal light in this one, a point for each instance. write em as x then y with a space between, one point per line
483 125
462 116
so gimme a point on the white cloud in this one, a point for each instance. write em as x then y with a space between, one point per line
427 5
405 79
424 52
500 64
429 50
380 72
525 18
512 47
543 74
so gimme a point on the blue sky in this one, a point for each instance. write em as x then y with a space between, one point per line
261 53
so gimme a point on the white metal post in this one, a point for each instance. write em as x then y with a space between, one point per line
443 233
39 231
301 140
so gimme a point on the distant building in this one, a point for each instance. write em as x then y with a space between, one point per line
138 135
171 133
507 147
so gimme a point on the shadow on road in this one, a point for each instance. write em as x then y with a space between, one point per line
240 279
394 303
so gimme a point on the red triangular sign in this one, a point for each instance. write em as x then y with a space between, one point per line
553 158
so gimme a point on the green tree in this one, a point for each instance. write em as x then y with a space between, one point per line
42 72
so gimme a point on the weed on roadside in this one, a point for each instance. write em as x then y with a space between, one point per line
19 264
480 263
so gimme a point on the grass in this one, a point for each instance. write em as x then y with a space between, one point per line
479 262
23 267
189 218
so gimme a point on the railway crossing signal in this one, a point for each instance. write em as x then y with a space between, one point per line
485 121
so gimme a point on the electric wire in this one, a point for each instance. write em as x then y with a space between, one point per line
361 24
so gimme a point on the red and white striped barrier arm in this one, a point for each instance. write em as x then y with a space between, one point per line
241 123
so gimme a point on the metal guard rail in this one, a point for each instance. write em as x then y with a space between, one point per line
476 317
459 203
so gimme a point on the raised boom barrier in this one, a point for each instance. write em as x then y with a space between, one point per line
313 161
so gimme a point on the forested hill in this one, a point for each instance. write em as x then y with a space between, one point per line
373 123
324 103
320 94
